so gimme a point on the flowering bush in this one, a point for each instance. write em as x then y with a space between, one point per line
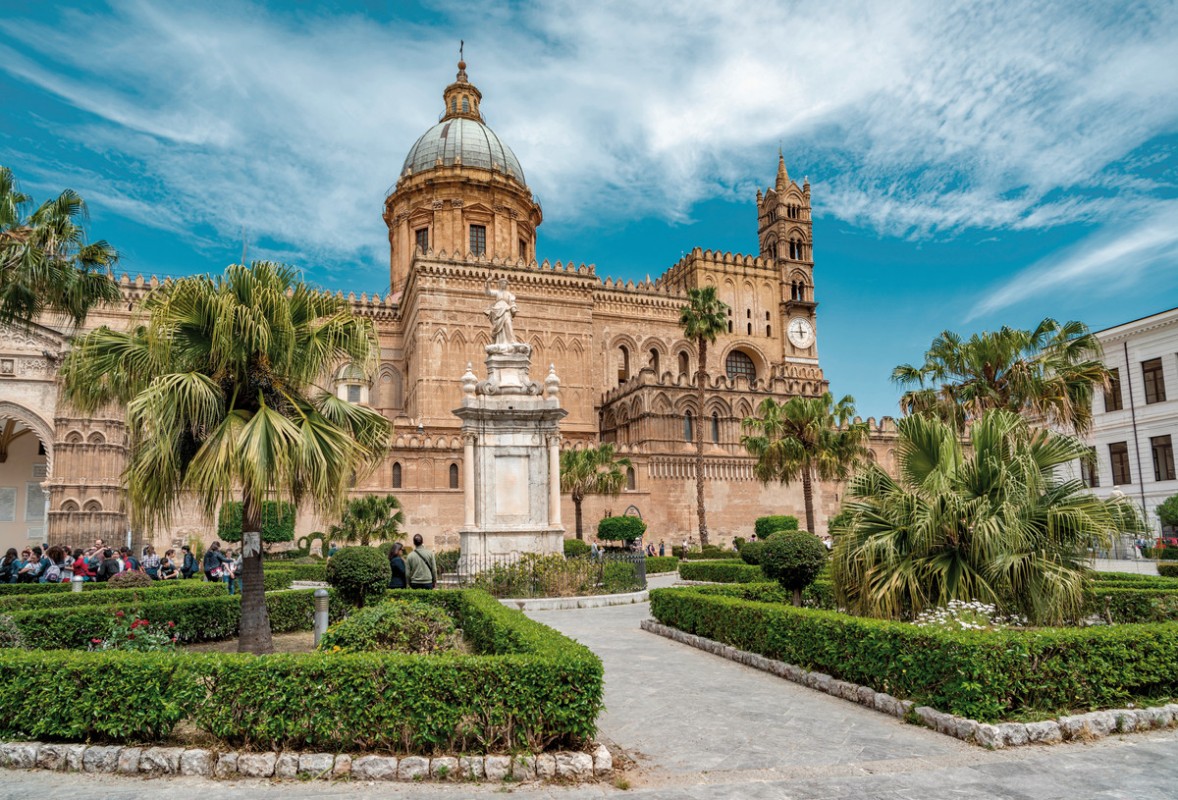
127 633
972 616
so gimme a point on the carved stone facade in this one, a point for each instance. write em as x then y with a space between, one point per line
461 214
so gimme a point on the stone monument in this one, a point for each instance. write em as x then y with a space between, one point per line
511 449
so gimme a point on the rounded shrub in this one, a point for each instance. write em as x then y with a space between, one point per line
793 559
359 573
765 527
129 580
750 553
620 529
574 548
398 627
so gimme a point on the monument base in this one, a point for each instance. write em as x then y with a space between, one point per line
502 546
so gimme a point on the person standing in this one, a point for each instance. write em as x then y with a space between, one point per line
189 567
216 563
420 567
662 548
397 578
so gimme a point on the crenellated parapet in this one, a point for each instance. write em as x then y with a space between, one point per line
685 272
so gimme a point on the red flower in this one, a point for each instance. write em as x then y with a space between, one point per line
95 641
130 636
120 614
171 624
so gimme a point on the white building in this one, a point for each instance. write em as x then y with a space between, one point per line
1135 424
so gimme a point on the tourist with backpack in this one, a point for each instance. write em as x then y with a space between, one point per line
108 567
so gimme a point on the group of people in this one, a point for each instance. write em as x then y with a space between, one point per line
417 570
58 564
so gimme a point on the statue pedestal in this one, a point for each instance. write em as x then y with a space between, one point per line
511 436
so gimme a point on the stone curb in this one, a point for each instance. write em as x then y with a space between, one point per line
1077 727
564 603
159 761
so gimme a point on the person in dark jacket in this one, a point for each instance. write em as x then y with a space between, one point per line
8 567
216 563
188 567
110 565
397 565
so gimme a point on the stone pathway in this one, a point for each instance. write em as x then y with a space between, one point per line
701 727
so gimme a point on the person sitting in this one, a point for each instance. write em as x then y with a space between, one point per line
189 566
151 562
30 568
8 566
397 566
130 563
167 569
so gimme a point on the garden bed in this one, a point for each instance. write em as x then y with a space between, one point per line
528 689
985 676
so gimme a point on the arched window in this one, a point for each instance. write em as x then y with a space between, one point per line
654 360
92 505
739 363
96 438
453 104
750 329
769 330
631 480
684 366
69 505
688 428
623 364
453 476
715 428
465 104
396 474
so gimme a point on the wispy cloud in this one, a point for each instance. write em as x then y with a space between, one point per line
1121 256
915 118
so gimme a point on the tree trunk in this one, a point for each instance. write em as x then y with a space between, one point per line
577 514
798 598
254 634
808 495
699 442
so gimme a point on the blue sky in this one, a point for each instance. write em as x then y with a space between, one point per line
973 164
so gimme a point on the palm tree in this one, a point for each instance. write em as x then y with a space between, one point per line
593 470
1048 374
220 386
994 522
46 265
370 519
805 437
702 319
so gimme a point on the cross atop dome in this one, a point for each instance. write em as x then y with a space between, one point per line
462 97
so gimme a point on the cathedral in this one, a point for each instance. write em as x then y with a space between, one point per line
460 216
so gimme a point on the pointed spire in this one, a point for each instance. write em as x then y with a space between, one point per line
782 175
461 78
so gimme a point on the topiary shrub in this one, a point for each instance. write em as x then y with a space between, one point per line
391 626
620 529
278 520
129 580
359 573
575 548
793 559
764 527
751 552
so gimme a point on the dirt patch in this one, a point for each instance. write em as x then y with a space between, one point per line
297 642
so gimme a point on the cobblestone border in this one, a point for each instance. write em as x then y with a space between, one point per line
160 761
1093 725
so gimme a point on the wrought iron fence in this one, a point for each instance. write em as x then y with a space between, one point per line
613 572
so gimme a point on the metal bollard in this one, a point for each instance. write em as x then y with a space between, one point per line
320 614
76 583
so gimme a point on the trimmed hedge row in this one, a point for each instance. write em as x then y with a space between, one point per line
1168 569
986 676
1133 577
657 564
198 619
173 591
532 688
730 571
297 572
711 554
819 594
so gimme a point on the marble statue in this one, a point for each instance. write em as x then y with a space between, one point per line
501 313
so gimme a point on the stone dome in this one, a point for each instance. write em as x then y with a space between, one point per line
462 140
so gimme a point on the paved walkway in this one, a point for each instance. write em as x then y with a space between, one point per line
698 726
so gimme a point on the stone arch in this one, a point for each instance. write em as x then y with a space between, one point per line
744 408
96 437
40 428
760 361
69 505
661 404
92 505
74 437
391 387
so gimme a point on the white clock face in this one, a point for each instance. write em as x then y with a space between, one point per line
800 332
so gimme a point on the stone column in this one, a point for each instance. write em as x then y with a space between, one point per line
468 479
554 480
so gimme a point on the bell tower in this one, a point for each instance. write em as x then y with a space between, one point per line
785 233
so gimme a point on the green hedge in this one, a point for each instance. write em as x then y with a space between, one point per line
1133 577
659 564
819 594
173 590
529 688
1168 569
298 572
198 619
1133 604
729 571
986 676
712 553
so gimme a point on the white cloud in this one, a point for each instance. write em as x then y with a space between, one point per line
1120 256
920 118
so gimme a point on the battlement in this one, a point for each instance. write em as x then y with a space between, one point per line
714 259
